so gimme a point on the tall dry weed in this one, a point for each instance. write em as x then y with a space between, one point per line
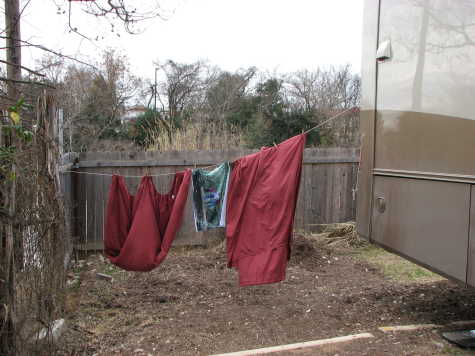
196 136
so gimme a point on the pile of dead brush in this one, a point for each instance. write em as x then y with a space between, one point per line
343 234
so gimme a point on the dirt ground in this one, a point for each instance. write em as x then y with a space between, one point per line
192 305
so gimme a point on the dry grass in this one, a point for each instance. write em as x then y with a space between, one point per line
343 234
196 136
396 267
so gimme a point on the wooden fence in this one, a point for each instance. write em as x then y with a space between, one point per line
326 190
67 189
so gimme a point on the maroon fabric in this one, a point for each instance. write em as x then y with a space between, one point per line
139 230
262 197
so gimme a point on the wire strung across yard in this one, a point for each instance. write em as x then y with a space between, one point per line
352 109
148 175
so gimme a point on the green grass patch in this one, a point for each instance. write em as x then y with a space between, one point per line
395 267
111 270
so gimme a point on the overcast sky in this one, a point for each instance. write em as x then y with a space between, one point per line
281 35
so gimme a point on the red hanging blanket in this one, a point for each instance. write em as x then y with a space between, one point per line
260 211
140 230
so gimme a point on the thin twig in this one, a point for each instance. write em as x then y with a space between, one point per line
23 67
18 19
43 48
74 29
3 79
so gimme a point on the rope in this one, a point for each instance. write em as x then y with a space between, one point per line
148 175
330 119
213 165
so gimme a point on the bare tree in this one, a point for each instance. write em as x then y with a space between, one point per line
52 68
323 90
94 100
323 93
183 86
224 95
305 89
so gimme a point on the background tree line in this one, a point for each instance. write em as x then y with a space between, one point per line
199 106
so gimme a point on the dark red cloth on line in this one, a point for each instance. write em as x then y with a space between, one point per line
262 197
140 230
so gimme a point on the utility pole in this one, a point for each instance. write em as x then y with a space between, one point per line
13 44
8 344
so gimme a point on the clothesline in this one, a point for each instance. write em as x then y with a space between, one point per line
331 119
213 165
140 229
127 176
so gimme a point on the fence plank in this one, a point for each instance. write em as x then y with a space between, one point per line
67 191
306 181
90 210
80 209
313 194
299 212
98 207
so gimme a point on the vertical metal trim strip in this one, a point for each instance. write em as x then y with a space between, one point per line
467 269
373 158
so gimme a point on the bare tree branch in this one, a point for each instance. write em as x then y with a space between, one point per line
123 10
74 29
23 67
21 13
3 79
43 48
